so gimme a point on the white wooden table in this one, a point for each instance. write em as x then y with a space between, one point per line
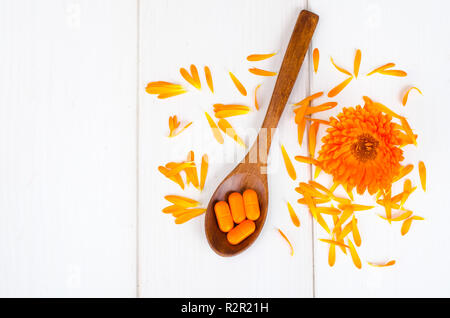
80 142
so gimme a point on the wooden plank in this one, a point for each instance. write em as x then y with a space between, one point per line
68 144
411 35
176 260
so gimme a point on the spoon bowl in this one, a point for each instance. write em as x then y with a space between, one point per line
238 182
251 173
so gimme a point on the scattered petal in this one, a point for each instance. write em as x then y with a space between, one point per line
261 72
312 138
340 69
355 231
195 76
182 201
189 215
332 255
188 78
203 170
230 113
398 73
390 263
226 127
423 175
287 240
259 57
357 62
316 57
215 130
238 84
209 79
305 101
381 68
337 89
293 215
256 98
405 97
354 254
333 242
288 163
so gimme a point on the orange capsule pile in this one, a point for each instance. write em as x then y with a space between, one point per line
236 217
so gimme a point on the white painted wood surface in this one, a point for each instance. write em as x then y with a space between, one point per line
68 148
81 141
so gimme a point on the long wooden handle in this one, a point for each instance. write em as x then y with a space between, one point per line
292 61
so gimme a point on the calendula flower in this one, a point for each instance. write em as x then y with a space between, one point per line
361 149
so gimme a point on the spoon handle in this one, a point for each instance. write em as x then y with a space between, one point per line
292 61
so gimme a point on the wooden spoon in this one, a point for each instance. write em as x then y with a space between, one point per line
251 173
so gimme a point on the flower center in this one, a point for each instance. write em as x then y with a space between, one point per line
365 148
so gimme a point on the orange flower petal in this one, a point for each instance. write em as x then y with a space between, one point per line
307 160
288 163
347 229
226 127
404 171
399 218
183 129
182 201
316 57
344 217
256 99
305 101
173 208
188 78
333 242
261 72
164 89
230 113
219 107
287 240
320 108
406 226
312 138
191 172
238 84
174 93
293 215
405 97
332 255
340 69
195 76
259 57
398 73
176 178
317 171
381 68
408 130
355 231
203 170
189 215
354 254
357 62
390 263
209 79
423 175
215 130
337 89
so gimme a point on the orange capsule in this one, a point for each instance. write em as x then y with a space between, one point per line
237 207
241 232
223 216
251 204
